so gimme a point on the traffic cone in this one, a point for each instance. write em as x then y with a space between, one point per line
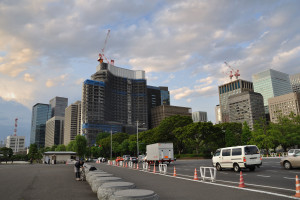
174 174
134 166
195 175
126 165
297 187
242 184
149 167
137 166
154 171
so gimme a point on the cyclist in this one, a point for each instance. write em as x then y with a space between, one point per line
78 165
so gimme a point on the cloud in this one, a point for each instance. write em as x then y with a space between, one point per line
56 81
28 78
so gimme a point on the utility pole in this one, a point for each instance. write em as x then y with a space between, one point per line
137 139
110 143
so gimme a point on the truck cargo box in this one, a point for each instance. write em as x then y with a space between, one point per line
161 152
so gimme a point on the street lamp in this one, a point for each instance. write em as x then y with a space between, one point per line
137 138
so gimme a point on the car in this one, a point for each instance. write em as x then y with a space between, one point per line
133 159
141 158
118 159
290 162
237 158
126 157
103 159
293 151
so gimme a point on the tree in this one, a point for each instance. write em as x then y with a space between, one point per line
33 151
61 147
71 146
246 134
261 136
80 145
230 138
7 153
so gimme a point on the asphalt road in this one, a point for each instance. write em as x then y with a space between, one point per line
270 181
42 182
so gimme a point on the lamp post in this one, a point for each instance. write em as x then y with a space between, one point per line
137 138
110 143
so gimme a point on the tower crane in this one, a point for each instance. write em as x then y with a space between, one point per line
236 72
101 55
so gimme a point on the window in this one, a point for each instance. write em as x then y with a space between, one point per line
237 151
217 152
249 150
226 152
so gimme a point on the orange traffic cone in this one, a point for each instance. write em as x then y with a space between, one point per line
134 166
126 165
137 166
174 174
242 184
154 171
297 187
195 175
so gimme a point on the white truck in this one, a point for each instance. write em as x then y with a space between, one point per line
159 153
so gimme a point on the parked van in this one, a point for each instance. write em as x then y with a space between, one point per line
237 158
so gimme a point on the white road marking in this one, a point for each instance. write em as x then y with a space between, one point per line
289 178
264 176
272 170
295 172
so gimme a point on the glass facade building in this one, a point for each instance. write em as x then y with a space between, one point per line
58 106
40 114
295 82
271 83
228 89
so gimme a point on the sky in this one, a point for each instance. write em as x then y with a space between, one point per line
49 47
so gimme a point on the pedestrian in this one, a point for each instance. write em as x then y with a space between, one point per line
77 167
31 160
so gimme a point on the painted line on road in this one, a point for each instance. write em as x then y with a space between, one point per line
263 176
294 172
272 170
289 178
229 186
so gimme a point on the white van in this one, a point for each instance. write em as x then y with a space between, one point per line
237 157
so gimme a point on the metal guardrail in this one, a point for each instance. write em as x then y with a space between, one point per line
145 166
212 173
162 168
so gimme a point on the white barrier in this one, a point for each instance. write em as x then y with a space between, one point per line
162 168
212 173
145 166
114 162
121 163
109 162
130 164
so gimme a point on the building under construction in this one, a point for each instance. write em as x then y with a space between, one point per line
113 100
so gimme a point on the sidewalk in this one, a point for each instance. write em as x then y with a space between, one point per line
40 181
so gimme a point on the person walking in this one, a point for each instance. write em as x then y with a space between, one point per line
77 167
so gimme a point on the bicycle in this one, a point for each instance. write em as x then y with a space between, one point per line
82 174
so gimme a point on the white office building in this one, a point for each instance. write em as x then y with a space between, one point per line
16 143
199 116
295 82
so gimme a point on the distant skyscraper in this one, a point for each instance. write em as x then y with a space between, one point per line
156 96
228 89
58 106
295 82
72 122
283 105
199 116
40 114
115 98
159 113
246 106
218 114
54 131
271 83
16 143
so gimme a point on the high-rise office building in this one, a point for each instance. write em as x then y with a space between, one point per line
295 82
271 83
72 125
199 116
156 96
246 106
58 106
16 143
159 113
218 114
54 131
283 105
115 98
40 114
228 89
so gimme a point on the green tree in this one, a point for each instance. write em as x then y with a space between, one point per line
80 145
33 151
71 146
7 153
53 147
246 134
261 135
61 147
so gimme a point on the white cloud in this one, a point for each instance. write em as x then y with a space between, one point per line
28 78
56 81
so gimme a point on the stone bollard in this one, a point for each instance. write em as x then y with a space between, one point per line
90 173
134 194
93 177
100 180
107 189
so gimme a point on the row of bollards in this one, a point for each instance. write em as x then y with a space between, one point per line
106 186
